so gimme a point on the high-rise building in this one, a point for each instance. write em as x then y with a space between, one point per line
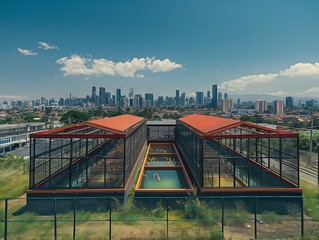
160 101
225 95
208 94
177 99
199 98
131 93
102 96
227 105
118 97
138 100
219 99
260 106
149 99
108 98
289 102
183 98
310 103
278 107
93 95
214 96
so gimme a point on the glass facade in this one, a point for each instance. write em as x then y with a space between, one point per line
84 162
161 132
240 160
191 146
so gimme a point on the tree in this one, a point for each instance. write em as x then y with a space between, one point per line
74 117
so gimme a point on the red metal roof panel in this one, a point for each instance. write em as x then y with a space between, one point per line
119 124
207 124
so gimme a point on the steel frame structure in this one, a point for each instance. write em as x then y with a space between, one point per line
240 156
86 157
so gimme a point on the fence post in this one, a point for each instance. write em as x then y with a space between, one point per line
166 218
55 219
6 219
74 217
110 219
302 217
223 216
255 217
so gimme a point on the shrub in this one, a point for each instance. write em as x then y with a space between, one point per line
194 209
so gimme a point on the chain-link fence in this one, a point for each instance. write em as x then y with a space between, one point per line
270 217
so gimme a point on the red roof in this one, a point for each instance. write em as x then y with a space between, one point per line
119 124
208 124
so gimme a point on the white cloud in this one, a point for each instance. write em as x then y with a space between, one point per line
243 82
156 65
26 52
77 65
13 97
311 92
278 93
301 70
192 94
46 46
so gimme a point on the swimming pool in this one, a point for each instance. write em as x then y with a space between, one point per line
164 179
163 171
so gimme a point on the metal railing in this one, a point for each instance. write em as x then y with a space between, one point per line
240 217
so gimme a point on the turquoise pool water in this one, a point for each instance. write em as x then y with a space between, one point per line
162 161
164 179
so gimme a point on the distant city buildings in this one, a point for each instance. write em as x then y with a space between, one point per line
214 96
206 99
260 106
289 102
199 98
149 99
227 105
278 107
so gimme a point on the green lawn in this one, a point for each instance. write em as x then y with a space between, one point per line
13 186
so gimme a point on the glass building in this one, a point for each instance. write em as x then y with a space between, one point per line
229 156
94 156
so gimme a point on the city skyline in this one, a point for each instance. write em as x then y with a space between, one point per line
247 47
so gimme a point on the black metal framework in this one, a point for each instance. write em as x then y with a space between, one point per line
161 132
92 162
244 161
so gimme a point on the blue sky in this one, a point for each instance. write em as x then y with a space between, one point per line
53 48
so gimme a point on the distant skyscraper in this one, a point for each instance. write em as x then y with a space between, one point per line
260 106
199 98
227 105
278 107
225 95
183 98
131 93
238 101
310 103
219 99
108 98
102 96
208 94
93 95
149 99
160 101
289 102
118 97
214 96
177 100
